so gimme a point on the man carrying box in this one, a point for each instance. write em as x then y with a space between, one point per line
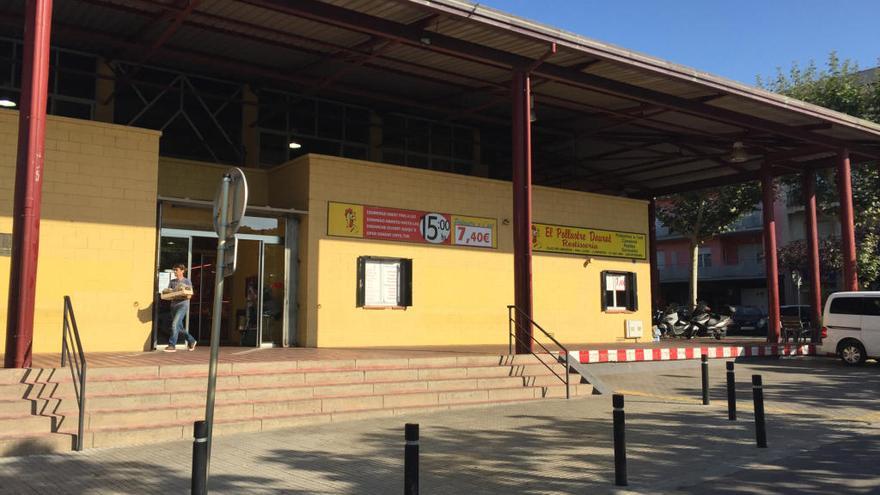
179 291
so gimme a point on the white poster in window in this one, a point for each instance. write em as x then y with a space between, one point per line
164 280
390 273
615 282
372 284
381 283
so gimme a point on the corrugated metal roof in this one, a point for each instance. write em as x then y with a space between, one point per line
455 59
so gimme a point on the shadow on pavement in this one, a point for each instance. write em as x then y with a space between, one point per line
548 455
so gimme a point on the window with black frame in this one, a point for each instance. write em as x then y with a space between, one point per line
384 282
619 291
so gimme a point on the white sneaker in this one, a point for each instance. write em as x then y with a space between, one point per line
191 347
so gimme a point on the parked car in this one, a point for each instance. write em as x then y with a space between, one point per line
852 326
749 320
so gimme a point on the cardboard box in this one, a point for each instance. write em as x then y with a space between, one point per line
176 294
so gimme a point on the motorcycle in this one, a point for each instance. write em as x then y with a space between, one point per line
704 322
669 322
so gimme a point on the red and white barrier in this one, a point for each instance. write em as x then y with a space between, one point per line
679 353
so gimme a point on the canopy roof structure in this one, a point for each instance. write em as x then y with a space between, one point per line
607 119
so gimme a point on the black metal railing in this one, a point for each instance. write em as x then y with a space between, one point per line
77 361
516 318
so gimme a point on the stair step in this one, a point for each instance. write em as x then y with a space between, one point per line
142 434
321 378
41 443
26 424
19 407
165 413
13 391
148 404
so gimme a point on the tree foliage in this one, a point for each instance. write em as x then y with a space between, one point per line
840 86
701 215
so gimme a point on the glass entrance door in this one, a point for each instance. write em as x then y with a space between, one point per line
273 295
173 250
253 297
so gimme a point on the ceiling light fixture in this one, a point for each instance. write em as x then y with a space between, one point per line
294 145
532 115
738 153
7 103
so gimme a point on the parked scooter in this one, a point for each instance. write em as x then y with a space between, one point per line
669 322
704 322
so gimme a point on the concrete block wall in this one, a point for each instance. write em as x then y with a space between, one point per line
460 294
97 233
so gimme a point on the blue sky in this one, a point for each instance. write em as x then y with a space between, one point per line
737 39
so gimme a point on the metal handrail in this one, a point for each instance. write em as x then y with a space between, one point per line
512 312
78 366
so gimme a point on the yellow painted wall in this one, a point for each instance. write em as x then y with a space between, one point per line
459 294
97 233
190 179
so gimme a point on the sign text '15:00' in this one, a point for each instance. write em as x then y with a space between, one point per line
392 224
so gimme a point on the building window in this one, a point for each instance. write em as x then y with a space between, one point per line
71 80
661 260
314 125
704 258
619 291
384 282
427 144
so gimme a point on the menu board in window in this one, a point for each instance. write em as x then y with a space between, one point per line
381 283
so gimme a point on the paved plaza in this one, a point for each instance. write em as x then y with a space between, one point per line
822 421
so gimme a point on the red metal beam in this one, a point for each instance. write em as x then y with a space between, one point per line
522 211
847 222
770 257
28 185
811 232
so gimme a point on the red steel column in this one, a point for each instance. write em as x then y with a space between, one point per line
811 232
847 222
652 250
770 253
28 184
522 210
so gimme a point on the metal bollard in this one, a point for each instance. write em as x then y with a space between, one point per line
411 460
619 440
704 362
731 392
760 427
200 458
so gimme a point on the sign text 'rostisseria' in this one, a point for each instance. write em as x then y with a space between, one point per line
592 242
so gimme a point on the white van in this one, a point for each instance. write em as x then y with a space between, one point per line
852 326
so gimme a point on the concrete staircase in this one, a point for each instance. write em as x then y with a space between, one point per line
126 406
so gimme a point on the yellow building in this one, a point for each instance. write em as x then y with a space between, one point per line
333 252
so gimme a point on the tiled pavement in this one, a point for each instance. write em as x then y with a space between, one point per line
814 406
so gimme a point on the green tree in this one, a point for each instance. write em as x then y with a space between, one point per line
701 215
840 86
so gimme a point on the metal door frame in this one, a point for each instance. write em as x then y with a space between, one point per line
263 240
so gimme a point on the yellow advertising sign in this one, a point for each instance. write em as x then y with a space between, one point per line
346 220
593 242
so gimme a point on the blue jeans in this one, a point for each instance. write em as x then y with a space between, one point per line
179 312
